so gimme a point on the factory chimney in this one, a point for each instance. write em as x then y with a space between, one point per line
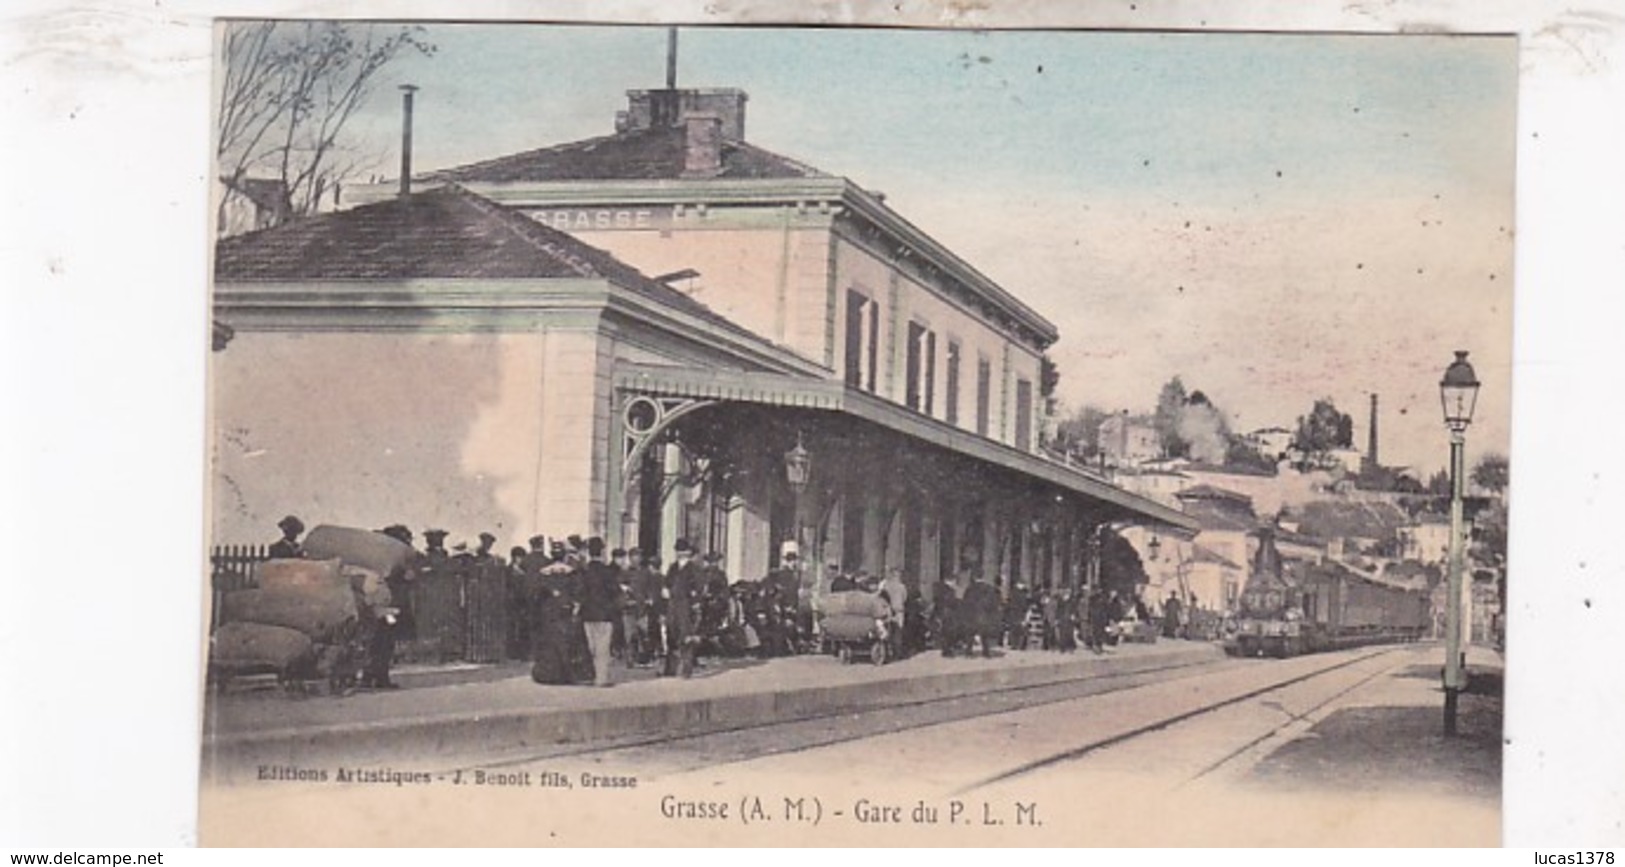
1371 436
406 138
671 58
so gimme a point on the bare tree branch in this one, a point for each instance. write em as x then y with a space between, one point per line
288 92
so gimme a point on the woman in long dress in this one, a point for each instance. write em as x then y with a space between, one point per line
553 620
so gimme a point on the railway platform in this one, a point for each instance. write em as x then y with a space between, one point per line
446 711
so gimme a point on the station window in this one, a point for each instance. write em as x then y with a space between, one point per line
1024 415
930 372
984 394
952 385
921 368
862 340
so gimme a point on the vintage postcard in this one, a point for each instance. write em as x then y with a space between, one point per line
637 435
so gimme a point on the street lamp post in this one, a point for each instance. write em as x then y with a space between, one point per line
797 470
1458 393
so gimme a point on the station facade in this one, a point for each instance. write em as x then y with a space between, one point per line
684 336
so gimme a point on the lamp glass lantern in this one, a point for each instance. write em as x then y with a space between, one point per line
797 466
1458 393
1155 547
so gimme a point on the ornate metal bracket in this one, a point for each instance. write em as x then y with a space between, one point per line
644 418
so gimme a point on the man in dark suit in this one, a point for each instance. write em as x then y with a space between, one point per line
381 633
599 597
438 600
634 604
288 547
524 586
658 607
682 584
1172 616
783 603
487 598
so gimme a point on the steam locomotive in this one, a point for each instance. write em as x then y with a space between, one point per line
1288 609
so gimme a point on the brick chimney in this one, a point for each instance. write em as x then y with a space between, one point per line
652 109
702 145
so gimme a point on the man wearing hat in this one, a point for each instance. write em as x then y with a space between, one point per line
783 588
682 585
400 584
629 624
658 599
896 591
523 589
841 582
439 600
487 587
634 605
599 597
380 633
288 547
715 598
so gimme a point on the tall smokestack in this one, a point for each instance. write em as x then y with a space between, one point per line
1371 435
406 138
671 58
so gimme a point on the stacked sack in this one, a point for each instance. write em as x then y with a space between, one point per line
298 605
305 615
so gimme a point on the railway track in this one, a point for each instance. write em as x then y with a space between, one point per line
1180 694
1168 720
866 722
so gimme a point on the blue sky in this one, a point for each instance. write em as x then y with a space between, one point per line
1272 217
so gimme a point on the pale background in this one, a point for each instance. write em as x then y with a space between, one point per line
102 240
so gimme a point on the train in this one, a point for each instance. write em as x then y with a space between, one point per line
1291 608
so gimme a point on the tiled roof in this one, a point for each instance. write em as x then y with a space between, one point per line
1211 516
645 154
1407 570
1230 470
1211 492
1351 520
446 233
1204 554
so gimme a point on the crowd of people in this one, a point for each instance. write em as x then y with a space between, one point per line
573 608
570 606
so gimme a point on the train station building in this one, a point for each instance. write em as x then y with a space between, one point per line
663 332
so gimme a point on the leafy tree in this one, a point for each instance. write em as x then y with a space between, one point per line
1490 535
1323 430
1439 483
1405 484
1079 433
1171 402
1492 472
287 92
1049 378
1239 453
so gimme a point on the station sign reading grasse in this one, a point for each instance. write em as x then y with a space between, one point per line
603 219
